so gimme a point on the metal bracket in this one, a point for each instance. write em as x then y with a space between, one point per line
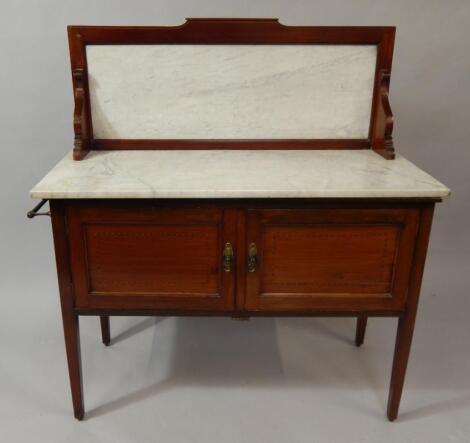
34 212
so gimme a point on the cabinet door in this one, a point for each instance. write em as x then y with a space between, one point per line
144 257
329 259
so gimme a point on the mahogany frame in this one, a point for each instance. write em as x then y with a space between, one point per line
232 31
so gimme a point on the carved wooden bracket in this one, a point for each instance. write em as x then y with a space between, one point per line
81 141
382 140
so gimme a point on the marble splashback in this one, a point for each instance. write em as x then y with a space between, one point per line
231 91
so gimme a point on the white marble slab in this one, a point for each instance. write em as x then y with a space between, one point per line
236 174
231 91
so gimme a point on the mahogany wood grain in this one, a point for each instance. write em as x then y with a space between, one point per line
232 31
151 258
240 305
330 259
214 144
307 313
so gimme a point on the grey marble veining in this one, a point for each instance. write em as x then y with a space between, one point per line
231 91
236 174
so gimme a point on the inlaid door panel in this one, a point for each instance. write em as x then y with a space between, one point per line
330 259
160 258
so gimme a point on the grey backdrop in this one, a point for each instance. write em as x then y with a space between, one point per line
430 97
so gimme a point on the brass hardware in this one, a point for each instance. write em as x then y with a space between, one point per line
252 261
228 257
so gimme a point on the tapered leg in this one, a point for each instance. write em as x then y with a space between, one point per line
72 347
105 334
360 329
406 323
400 362
69 317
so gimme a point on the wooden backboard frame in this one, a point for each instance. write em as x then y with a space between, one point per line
232 31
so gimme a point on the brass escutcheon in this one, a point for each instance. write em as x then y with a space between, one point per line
252 261
228 257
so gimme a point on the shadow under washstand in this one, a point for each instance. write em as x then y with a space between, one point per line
218 352
135 329
222 352
442 407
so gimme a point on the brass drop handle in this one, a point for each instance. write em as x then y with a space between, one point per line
228 257
252 261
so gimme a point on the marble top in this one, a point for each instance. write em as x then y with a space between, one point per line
237 174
